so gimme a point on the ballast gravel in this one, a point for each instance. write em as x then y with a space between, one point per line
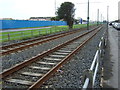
20 56
69 75
31 38
19 41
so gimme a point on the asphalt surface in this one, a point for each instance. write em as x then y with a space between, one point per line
111 63
11 30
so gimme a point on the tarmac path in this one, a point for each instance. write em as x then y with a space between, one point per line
113 38
11 30
111 63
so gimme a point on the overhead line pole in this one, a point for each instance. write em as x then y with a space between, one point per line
55 7
88 3
88 17
107 16
98 17
55 15
107 23
101 18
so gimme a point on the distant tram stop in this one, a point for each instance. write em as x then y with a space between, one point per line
81 20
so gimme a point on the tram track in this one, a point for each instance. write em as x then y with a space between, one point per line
53 59
5 50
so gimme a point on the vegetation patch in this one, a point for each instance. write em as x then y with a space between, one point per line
20 35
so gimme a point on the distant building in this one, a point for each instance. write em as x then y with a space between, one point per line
40 18
6 19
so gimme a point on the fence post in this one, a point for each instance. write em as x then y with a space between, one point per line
31 33
22 35
73 27
50 31
8 37
46 31
62 29
39 32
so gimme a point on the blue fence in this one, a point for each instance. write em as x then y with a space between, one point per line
9 24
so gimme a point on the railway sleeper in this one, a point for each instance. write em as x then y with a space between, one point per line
58 56
32 74
65 51
43 68
52 59
23 82
46 63
59 53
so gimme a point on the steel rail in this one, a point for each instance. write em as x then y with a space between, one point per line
26 62
50 38
53 70
36 43
16 44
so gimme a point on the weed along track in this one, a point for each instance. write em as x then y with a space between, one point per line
34 72
30 43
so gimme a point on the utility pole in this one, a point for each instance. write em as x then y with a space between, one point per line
107 16
98 18
88 12
101 18
88 17
55 7
107 24
55 15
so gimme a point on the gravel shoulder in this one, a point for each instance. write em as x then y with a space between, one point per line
69 75
20 56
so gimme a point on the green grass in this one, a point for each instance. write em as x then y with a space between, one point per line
19 35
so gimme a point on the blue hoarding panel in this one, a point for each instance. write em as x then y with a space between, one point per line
9 24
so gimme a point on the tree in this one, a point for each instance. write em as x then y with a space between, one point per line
76 21
67 12
55 18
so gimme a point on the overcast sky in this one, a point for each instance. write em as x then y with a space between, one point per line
24 9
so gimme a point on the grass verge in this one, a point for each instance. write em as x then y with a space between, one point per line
19 35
